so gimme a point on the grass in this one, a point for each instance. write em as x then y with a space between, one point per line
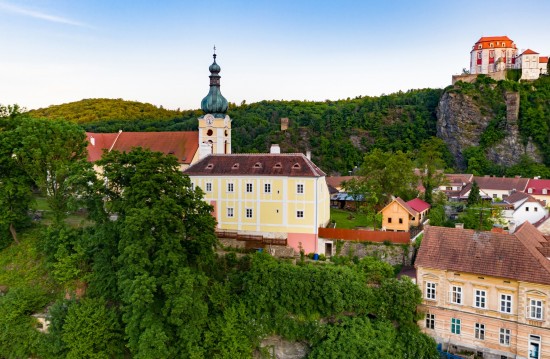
348 220
22 265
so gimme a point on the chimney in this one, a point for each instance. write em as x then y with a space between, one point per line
92 140
459 225
308 154
275 148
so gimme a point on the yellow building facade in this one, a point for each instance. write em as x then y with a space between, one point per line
486 293
273 195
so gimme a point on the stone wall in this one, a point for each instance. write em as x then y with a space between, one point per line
391 253
499 75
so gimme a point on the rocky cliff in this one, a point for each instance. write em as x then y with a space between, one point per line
462 118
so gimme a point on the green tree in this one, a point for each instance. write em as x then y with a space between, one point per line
474 197
165 228
92 330
386 174
53 154
431 166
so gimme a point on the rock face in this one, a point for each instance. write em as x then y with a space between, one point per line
278 348
460 123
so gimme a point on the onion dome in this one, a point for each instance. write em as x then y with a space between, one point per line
214 103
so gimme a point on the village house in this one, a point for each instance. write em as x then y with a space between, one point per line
400 216
540 189
495 188
523 207
486 292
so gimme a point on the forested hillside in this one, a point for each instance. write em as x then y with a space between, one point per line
340 132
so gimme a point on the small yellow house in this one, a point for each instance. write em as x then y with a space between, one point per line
400 216
486 292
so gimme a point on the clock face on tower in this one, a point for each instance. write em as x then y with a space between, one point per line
209 120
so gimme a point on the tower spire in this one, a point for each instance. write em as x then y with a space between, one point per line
214 103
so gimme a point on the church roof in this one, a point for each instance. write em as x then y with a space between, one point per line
270 164
182 145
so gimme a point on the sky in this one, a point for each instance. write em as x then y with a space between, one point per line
59 51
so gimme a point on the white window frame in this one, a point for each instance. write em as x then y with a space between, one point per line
300 188
230 187
455 295
480 298
267 187
208 186
249 213
249 187
431 291
299 214
230 212
535 309
479 331
505 303
504 337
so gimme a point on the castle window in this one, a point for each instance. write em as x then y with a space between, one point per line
257 165
430 321
300 188
230 187
480 46
208 186
267 187
278 165
209 166
300 214
209 133
249 213
229 211
249 187
491 45
235 166
296 166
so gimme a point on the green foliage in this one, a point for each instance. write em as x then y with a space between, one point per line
375 270
349 220
480 216
437 216
92 330
513 74
431 162
474 197
18 335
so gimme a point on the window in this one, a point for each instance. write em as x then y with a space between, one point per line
448 188
504 336
267 187
300 214
536 209
230 187
526 209
400 220
456 295
229 211
249 213
455 326
430 321
480 331
249 187
208 187
389 219
535 309
494 195
430 291
506 303
480 298
299 188
534 347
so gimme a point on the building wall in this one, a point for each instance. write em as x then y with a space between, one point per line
216 131
492 59
395 213
529 211
517 322
281 212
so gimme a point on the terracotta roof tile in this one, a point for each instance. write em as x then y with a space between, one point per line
336 181
501 183
284 164
418 205
183 145
459 178
543 59
529 52
516 256
537 185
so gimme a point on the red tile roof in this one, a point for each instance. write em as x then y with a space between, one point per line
183 145
529 52
496 40
418 205
403 204
501 183
516 256
336 181
459 178
537 185
543 59
271 164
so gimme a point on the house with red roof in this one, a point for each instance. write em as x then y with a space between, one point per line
486 292
540 189
492 54
523 208
529 63
400 216
491 187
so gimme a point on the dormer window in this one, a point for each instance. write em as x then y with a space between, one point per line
235 166
529 190
544 191
209 166
296 166
257 165
278 165
480 46
491 45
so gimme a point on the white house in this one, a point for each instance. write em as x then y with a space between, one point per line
525 208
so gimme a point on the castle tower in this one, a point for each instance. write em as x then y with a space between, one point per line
215 125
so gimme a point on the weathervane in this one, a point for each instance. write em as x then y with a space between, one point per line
214 52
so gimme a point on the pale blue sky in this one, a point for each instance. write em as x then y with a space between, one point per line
57 51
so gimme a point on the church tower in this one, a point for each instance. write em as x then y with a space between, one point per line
215 125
